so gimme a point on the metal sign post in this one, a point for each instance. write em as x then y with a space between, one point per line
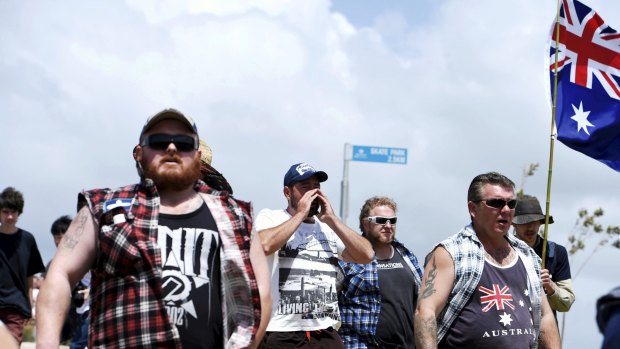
344 185
368 154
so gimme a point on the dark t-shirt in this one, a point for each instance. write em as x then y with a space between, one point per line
19 259
398 301
556 260
498 314
190 251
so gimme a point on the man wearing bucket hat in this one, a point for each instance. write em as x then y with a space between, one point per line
174 263
303 244
556 276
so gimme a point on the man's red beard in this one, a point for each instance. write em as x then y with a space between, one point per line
172 179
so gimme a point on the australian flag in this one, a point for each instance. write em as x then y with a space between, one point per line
588 99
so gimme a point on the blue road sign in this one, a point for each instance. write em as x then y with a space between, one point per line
379 154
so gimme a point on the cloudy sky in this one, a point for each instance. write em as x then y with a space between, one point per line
460 84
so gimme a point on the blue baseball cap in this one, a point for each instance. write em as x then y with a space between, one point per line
302 171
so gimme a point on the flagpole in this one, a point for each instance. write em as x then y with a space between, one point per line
553 133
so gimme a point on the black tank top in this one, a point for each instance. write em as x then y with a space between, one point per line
190 252
499 313
398 300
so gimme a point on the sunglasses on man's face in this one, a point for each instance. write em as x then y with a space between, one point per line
161 141
500 203
382 220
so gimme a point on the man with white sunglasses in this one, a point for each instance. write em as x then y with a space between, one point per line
378 299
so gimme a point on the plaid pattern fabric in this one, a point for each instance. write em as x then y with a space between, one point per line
360 299
412 261
127 308
241 306
468 255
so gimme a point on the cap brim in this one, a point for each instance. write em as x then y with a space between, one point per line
321 176
528 218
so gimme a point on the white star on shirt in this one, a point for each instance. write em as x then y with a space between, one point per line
521 303
526 292
505 319
581 117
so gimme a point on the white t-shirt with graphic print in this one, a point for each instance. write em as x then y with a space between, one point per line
303 275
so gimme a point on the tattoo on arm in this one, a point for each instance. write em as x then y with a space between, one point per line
71 239
429 287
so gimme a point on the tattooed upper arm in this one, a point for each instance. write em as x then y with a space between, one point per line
429 283
76 229
438 280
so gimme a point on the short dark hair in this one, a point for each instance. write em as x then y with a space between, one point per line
372 203
12 199
474 193
60 225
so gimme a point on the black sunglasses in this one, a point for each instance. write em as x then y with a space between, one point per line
161 141
500 203
382 220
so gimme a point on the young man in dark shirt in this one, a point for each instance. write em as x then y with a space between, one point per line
555 276
19 261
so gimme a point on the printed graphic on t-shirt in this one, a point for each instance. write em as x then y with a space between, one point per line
509 307
307 277
186 256
390 265
498 315
496 297
398 291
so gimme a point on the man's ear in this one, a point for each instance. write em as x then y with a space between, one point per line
137 152
471 206
287 193
365 224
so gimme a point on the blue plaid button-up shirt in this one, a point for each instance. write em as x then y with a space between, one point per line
360 299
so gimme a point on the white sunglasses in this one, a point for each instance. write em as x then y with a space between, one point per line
382 220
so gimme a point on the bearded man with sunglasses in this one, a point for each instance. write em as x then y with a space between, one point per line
482 287
174 263
378 299
303 244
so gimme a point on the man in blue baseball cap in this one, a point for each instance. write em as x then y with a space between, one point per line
303 244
